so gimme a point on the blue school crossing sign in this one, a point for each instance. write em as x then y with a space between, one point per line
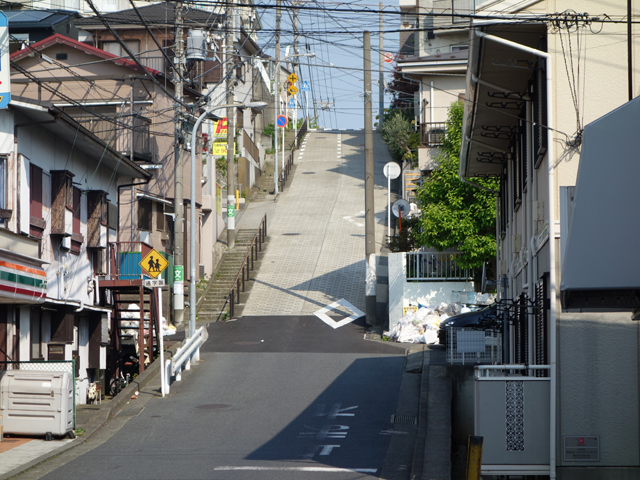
292 103
305 86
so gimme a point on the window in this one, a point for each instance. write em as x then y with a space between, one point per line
3 183
160 223
116 48
76 238
69 193
35 332
504 210
36 222
541 328
539 113
98 261
144 214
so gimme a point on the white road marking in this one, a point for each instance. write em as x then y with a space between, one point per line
297 469
322 314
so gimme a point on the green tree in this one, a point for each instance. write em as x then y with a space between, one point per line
398 133
455 214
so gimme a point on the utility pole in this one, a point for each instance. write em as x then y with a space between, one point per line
178 200
276 99
369 185
295 66
381 77
231 211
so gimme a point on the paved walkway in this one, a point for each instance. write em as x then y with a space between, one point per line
316 228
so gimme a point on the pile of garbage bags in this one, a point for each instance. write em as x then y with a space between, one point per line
421 325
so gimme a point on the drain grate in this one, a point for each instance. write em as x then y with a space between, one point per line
404 420
213 406
289 234
308 173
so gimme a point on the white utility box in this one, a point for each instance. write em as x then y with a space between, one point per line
36 402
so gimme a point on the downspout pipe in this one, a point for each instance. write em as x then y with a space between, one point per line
552 246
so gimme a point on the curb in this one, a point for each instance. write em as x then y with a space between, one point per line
103 415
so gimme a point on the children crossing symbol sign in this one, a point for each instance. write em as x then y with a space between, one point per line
153 264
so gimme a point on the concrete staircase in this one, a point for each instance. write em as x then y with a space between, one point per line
264 190
214 302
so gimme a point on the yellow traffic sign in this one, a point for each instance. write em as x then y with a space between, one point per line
153 264
292 89
293 78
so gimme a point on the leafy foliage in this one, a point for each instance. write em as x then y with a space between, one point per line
398 133
455 214
403 90
406 240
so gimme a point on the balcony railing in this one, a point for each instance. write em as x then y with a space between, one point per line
125 258
118 137
434 267
250 147
432 134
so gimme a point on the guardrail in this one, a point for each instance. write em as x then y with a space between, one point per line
247 265
182 359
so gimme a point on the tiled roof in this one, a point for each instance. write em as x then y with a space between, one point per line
61 39
157 14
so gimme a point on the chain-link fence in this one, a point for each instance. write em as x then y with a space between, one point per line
46 366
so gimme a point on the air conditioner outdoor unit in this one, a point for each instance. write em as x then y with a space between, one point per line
65 243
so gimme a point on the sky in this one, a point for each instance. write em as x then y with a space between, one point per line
335 74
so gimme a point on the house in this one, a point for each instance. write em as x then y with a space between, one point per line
564 402
132 112
53 174
207 77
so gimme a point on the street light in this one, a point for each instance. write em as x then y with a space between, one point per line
258 106
275 116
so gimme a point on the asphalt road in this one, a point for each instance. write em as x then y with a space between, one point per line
273 398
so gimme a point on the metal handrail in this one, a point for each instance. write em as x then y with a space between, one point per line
254 249
284 175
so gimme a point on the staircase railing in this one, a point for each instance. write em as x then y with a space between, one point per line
247 266
286 170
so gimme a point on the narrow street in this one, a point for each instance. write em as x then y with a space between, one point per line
279 393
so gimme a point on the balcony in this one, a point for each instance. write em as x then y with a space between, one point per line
511 412
432 134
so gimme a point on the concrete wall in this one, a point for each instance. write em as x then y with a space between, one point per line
598 385
403 293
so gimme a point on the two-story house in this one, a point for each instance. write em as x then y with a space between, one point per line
564 402
132 112
58 191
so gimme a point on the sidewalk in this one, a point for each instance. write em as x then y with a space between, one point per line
19 453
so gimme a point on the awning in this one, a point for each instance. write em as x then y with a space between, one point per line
22 279
601 266
497 78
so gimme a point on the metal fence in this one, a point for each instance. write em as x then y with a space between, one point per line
434 266
468 346
46 366
432 134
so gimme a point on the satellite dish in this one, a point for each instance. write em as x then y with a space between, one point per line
391 170
401 208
